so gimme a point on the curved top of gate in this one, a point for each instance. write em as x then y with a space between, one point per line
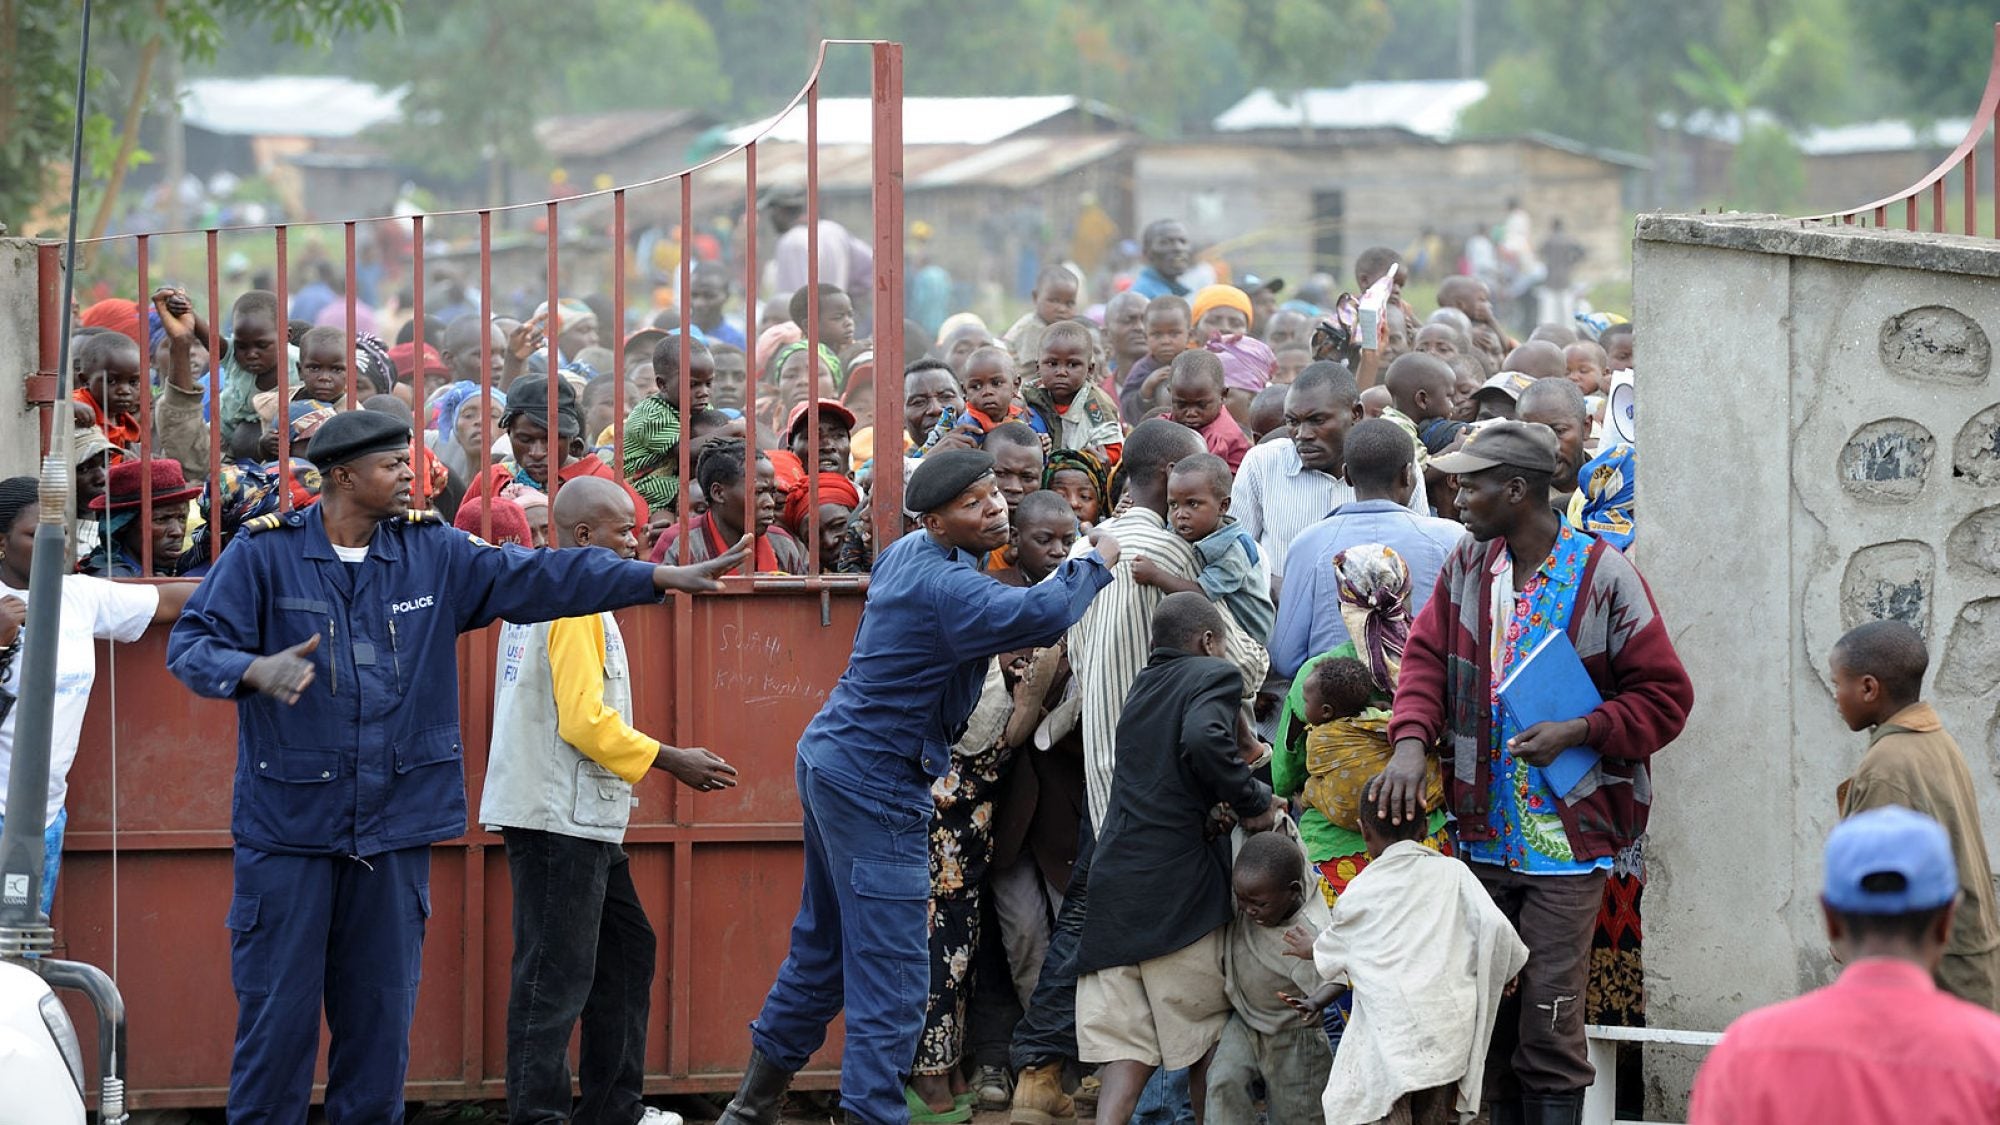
1964 159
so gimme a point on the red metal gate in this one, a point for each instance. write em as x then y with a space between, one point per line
146 873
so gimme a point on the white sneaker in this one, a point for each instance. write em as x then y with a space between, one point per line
656 1116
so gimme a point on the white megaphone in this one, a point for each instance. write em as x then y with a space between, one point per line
1618 412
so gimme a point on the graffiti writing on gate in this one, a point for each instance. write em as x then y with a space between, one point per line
754 666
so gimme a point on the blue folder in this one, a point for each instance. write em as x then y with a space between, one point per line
1550 685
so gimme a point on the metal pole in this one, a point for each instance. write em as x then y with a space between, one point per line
23 927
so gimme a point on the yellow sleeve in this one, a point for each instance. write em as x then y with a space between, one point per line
576 665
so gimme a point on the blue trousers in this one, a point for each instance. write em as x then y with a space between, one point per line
1165 1100
346 931
861 941
51 856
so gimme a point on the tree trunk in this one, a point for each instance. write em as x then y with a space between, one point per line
128 139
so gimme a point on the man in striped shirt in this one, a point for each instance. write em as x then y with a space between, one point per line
1108 647
1287 485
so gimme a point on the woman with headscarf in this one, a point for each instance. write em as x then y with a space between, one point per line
92 610
838 498
454 435
792 381
1080 477
1374 586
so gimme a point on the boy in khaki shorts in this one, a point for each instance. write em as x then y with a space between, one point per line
1150 979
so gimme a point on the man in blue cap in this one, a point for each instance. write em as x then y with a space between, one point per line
1882 1043
865 767
335 630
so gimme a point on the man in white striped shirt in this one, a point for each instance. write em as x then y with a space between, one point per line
1107 648
1287 485
1110 644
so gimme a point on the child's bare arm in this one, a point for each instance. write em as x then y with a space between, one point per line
1029 694
178 320
1146 572
1312 1005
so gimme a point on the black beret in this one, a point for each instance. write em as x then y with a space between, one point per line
941 476
354 434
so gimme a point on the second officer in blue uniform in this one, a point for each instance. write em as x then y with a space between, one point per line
335 630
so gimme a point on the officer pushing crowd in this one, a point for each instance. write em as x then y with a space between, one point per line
335 631
865 767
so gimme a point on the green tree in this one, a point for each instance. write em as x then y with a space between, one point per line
1938 50
477 77
38 75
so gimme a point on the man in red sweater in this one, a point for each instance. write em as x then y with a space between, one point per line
1542 855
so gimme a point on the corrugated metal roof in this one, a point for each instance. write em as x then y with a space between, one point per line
926 121
1023 162
1882 136
1889 135
1427 108
288 105
584 135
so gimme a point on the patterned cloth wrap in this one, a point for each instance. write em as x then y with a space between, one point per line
1342 756
1609 494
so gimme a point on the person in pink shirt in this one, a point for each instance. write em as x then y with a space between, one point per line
1883 1042
1198 392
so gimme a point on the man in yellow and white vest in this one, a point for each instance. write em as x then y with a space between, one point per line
559 791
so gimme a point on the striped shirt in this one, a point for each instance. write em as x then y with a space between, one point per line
1110 644
1276 497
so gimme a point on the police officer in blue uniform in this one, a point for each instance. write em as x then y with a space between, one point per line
865 766
335 631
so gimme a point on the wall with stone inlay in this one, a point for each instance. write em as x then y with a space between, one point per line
1819 426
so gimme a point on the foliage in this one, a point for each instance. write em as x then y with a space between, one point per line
38 50
35 96
1938 50
478 76
1767 173
1596 72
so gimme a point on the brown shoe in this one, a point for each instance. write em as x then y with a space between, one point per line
1039 1098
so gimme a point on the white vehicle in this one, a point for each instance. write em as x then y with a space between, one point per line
41 1062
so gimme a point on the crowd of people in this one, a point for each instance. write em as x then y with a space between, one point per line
1209 796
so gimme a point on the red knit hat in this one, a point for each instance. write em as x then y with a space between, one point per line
510 520
404 357
129 480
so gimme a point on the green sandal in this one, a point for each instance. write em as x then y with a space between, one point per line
922 1114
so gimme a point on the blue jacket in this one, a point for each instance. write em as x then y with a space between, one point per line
368 760
930 624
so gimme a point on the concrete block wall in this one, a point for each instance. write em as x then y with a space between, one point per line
1820 424
20 427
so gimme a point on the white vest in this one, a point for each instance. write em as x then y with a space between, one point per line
533 778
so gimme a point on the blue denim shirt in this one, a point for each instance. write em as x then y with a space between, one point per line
930 624
1309 612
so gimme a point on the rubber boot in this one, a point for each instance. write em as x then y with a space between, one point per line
1506 1111
1552 1109
1039 1098
763 1091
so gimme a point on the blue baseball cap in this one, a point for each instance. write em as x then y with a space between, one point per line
1889 841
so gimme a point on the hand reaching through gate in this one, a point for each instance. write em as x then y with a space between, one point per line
284 676
696 767
701 577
